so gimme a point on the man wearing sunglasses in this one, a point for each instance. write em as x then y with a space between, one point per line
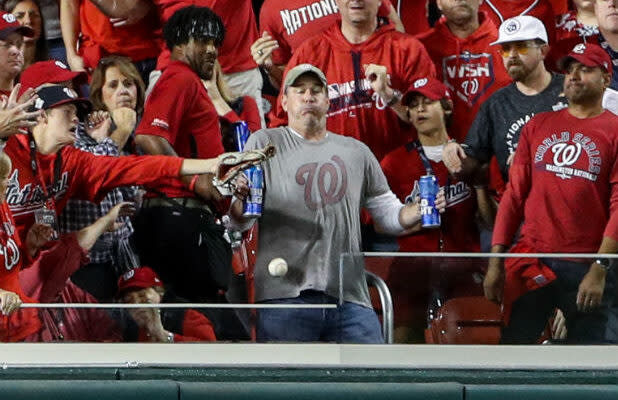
496 129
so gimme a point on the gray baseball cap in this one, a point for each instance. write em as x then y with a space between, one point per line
299 70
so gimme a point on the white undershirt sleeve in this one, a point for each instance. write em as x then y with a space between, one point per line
384 210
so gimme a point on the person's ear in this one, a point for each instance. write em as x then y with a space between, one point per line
284 102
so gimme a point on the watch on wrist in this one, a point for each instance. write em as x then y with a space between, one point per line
395 99
604 263
170 337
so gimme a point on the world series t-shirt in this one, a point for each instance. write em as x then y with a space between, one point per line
563 184
498 124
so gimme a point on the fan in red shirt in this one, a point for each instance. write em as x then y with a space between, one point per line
351 53
89 35
142 285
286 25
501 10
241 72
563 186
460 47
15 324
429 105
11 55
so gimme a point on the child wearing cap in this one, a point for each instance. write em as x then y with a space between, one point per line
142 285
430 109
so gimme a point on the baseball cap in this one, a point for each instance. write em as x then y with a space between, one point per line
9 24
138 278
51 71
57 95
591 55
299 70
429 87
520 28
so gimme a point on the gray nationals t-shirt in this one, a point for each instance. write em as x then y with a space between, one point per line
499 122
313 195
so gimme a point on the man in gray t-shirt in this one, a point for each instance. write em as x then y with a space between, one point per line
314 189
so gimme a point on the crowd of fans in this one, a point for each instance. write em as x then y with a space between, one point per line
116 117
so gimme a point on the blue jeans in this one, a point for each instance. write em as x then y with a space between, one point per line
532 310
348 323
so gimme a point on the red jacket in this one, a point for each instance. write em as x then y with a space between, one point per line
82 175
563 184
24 322
470 68
195 328
355 110
458 232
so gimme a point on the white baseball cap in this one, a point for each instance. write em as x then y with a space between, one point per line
520 28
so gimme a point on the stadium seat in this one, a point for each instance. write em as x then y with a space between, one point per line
465 320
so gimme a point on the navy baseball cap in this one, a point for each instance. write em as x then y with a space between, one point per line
9 24
56 95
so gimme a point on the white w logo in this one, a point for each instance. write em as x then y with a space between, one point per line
566 154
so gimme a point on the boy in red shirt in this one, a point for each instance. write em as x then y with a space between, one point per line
563 186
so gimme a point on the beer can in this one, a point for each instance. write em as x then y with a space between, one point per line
241 134
430 217
252 207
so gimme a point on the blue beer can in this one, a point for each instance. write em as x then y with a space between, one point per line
241 134
252 207
430 217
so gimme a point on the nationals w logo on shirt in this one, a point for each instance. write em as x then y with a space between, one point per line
468 75
331 180
570 156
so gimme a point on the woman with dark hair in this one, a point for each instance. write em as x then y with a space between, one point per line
116 88
28 13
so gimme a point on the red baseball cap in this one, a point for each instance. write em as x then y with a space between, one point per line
138 278
590 55
9 24
50 71
429 87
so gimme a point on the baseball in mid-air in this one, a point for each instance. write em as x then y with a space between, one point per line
278 267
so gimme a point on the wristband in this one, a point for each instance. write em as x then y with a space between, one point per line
192 183
395 99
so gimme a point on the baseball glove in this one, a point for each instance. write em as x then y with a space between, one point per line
232 164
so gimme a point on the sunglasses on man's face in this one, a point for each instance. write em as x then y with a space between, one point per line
520 47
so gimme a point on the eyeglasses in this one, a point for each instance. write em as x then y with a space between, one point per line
520 47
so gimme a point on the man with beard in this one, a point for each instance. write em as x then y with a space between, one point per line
564 188
180 120
459 46
497 126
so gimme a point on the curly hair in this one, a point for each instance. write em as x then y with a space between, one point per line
193 23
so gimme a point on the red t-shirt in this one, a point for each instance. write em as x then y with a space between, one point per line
24 322
180 111
501 10
99 38
413 15
567 27
291 22
355 110
563 184
403 168
470 68
82 175
240 30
